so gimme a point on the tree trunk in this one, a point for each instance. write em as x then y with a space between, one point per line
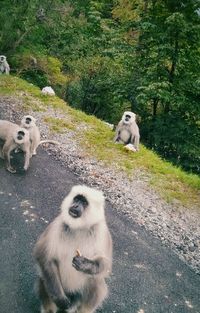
173 68
155 105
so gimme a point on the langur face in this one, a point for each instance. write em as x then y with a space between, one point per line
2 58
128 117
83 207
19 138
78 206
28 121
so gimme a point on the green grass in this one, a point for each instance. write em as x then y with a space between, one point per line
58 125
96 139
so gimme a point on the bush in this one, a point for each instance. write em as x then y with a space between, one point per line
41 70
175 139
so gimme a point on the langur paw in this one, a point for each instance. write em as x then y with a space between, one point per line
78 262
11 170
62 303
82 264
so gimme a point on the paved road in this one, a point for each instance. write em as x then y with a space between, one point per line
147 277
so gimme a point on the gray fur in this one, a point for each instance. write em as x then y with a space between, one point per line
71 281
127 131
34 134
4 66
9 135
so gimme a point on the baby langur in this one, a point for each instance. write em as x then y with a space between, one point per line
29 122
127 131
14 137
4 66
74 255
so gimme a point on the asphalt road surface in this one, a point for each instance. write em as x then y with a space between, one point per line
147 277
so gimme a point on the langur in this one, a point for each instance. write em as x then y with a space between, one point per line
74 255
4 66
40 15
29 123
14 137
127 131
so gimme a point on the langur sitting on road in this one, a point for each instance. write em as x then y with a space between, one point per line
74 255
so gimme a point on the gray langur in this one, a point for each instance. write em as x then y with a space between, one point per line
4 66
127 131
29 122
70 279
14 137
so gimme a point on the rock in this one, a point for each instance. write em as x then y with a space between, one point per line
48 90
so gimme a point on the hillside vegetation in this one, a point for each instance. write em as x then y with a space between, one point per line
96 139
104 57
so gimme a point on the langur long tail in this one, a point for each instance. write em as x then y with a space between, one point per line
54 142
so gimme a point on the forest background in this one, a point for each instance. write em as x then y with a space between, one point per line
104 57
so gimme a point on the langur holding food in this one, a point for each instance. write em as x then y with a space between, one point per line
74 255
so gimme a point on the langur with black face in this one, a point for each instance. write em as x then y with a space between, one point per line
74 255
29 122
127 131
4 66
14 137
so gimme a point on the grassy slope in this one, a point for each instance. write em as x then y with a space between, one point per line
171 182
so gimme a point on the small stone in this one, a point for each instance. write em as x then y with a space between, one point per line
192 247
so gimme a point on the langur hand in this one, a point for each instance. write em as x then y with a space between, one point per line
62 303
85 265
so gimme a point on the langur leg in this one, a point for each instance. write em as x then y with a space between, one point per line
94 297
33 149
47 305
1 154
27 159
6 155
136 142
34 152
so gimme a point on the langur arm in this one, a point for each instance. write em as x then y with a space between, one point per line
117 137
1 154
7 68
27 159
53 285
136 142
135 137
96 266
7 148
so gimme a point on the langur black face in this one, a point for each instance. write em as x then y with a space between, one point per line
78 206
127 118
28 120
2 58
20 135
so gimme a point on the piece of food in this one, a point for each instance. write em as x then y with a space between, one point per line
78 253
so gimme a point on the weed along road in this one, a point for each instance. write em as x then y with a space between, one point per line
147 277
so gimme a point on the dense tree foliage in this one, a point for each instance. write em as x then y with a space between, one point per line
107 56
